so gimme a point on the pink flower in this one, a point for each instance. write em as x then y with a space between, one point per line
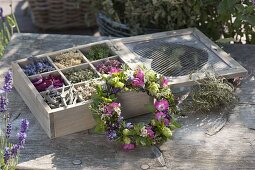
138 82
128 146
150 132
140 74
161 105
164 82
114 70
159 116
110 108
114 104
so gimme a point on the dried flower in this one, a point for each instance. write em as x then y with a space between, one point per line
109 66
48 82
80 75
68 59
37 66
86 91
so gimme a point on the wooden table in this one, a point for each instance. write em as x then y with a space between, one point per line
223 140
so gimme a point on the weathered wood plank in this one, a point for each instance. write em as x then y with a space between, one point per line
233 147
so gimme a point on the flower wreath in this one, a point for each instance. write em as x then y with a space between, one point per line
107 111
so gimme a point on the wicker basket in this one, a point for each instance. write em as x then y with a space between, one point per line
109 27
58 14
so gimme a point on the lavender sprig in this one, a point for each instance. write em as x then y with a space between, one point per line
8 81
3 103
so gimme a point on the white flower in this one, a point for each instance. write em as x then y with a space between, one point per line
143 132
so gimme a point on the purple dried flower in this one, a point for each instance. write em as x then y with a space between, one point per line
7 154
8 81
24 125
8 130
109 66
3 103
37 66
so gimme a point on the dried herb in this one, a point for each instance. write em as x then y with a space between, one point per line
56 99
86 90
68 59
97 52
106 66
79 75
211 93
48 82
37 66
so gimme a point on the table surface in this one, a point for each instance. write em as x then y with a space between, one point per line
222 140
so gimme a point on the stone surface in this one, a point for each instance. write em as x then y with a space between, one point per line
232 145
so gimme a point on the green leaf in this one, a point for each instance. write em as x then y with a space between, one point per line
150 107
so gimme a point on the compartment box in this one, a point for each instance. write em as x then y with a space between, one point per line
175 54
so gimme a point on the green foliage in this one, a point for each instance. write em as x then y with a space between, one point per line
212 93
97 52
216 18
8 25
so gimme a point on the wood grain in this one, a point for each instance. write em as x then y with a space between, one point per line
233 147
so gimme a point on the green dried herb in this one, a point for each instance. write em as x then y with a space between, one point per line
68 59
79 75
211 93
97 52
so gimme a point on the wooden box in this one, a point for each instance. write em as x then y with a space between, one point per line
180 52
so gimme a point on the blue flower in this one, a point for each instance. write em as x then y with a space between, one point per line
111 134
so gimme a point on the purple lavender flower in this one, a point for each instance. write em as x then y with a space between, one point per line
8 130
8 81
14 150
3 103
7 154
24 125
21 138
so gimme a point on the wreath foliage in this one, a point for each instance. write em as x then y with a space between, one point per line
107 111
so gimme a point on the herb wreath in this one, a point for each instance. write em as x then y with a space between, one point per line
107 111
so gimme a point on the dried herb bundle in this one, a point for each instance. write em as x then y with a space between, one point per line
211 93
97 52
79 75
68 59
